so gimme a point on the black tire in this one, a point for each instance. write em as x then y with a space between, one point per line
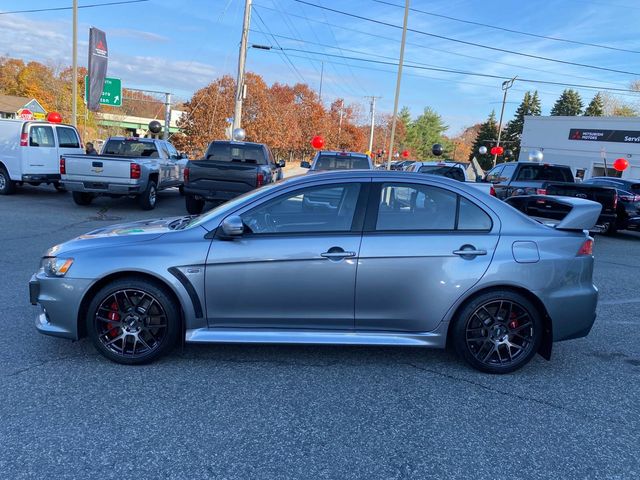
133 321
82 198
7 186
498 331
194 205
611 229
147 199
59 187
181 190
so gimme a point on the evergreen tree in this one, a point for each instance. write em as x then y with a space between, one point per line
513 133
596 107
569 104
426 130
488 132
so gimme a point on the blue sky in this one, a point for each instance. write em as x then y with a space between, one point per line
179 46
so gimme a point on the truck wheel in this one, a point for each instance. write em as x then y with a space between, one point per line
181 190
194 205
147 199
59 187
82 198
611 229
7 186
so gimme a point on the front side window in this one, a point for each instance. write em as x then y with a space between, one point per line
67 138
329 208
494 175
409 207
41 136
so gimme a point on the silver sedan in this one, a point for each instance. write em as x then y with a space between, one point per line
352 258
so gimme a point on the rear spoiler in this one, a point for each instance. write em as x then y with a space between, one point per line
561 213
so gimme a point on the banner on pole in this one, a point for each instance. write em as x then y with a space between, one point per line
98 58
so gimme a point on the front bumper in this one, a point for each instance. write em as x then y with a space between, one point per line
102 187
59 301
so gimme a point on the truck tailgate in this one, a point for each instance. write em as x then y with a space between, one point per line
97 168
210 175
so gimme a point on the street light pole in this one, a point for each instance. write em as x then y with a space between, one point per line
74 74
237 111
167 116
398 79
506 85
321 78
372 110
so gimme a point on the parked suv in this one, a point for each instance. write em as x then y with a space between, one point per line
227 170
30 152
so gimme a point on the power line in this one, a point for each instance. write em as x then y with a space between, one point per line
475 74
479 45
504 29
449 52
52 9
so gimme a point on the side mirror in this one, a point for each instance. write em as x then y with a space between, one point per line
281 163
232 226
305 164
182 155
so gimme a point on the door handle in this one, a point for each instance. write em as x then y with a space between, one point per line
469 251
334 254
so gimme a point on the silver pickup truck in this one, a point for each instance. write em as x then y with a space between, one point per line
134 167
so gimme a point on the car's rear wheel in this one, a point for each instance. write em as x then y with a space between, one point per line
147 199
82 198
194 205
7 186
498 332
133 321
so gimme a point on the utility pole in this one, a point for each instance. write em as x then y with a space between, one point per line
398 80
340 123
237 111
167 116
506 85
372 110
74 75
321 78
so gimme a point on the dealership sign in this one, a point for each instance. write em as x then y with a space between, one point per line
597 135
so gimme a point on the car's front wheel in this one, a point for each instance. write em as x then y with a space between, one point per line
498 331
133 321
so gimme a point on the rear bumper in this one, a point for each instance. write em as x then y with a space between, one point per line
58 301
572 311
214 194
102 187
41 177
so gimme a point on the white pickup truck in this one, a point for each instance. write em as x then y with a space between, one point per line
30 152
133 167
463 172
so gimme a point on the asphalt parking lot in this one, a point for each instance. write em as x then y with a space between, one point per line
306 412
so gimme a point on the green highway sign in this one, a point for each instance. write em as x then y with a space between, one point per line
111 93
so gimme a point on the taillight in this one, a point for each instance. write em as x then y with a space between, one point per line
259 179
134 171
541 191
186 174
492 191
24 140
586 248
63 166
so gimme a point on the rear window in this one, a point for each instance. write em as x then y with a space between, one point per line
341 162
67 138
444 171
130 148
545 172
229 152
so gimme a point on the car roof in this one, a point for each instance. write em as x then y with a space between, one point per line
131 139
235 142
342 153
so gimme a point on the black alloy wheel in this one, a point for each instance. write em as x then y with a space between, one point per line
133 322
498 332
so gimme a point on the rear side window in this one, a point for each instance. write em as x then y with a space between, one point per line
130 148
545 173
341 162
230 152
41 136
67 138
407 207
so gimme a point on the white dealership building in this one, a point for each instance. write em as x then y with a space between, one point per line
584 143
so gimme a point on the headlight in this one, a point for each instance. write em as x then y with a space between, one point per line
56 267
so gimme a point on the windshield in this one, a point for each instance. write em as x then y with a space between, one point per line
341 162
444 171
130 148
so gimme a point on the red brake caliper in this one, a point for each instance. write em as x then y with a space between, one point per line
513 324
115 316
